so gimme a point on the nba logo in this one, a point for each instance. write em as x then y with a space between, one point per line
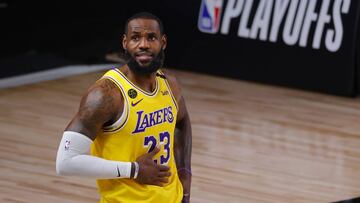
209 16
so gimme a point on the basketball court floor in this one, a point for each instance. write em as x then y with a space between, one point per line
252 143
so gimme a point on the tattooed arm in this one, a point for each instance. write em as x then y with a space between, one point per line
101 105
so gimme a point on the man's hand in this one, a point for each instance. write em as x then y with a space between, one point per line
185 178
151 173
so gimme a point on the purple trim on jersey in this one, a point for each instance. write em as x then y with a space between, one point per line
171 94
132 84
128 111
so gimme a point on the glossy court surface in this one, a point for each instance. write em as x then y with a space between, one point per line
251 142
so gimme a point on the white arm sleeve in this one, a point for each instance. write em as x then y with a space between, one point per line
74 159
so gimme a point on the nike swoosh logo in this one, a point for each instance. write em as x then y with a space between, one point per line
134 104
118 171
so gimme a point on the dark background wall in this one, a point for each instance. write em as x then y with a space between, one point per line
39 35
357 42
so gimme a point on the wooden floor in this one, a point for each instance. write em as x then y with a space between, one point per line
251 143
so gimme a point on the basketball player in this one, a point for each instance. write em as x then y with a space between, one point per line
124 132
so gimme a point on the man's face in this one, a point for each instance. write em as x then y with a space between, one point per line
144 45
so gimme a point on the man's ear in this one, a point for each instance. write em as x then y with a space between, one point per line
164 41
124 41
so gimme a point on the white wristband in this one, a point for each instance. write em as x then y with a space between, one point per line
136 170
123 169
74 159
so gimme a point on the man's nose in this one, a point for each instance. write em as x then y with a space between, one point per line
144 44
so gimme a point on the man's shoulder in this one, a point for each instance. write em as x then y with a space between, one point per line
170 76
102 87
102 92
173 82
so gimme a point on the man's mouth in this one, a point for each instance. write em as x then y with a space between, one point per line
144 57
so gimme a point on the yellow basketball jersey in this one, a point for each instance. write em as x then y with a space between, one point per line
148 120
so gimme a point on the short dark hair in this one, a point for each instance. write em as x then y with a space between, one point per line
145 15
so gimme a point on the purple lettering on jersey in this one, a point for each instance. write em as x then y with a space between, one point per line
154 118
158 116
170 116
166 111
138 127
145 121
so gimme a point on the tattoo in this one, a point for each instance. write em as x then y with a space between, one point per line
101 105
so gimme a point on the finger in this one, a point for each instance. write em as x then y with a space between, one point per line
163 167
154 151
157 183
164 174
163 180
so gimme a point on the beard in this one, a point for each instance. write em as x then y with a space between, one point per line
154 65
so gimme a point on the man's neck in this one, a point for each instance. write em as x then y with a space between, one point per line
145 82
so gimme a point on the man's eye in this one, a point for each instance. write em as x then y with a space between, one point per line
136 38
152 38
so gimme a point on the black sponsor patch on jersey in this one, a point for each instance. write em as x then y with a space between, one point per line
132 93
